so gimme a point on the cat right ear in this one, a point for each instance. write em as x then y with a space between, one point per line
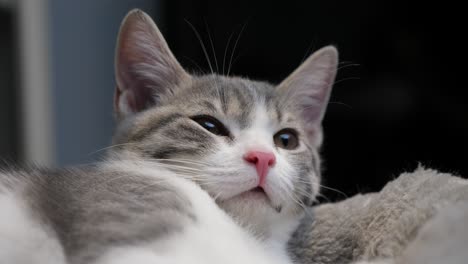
145 69
309 87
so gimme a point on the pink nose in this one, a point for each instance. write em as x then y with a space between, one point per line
262 161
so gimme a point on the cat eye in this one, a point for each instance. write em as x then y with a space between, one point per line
286 139
211 124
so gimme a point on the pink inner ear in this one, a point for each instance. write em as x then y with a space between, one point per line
135 101
146 70
132 85
309 85
311 114
139 98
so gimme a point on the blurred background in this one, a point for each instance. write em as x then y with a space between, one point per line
400 98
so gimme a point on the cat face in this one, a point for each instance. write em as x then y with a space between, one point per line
251 145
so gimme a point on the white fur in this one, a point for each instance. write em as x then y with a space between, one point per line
215 238
225 175
230 175
22 239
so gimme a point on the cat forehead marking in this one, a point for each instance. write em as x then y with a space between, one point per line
237 100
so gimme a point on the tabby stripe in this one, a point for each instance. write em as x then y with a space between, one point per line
211 107
169 152
155 126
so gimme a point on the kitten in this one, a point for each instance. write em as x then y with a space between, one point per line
185 146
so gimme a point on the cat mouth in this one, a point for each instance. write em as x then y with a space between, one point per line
258 189
258 193
254 193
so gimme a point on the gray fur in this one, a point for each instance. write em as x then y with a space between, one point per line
167 132
378 225
93 208
443 239
363 228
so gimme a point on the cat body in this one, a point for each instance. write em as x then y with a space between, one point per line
203 169
118 212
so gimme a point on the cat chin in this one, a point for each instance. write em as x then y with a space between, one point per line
255 198
254 211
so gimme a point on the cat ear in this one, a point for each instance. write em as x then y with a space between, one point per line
309 86
145 68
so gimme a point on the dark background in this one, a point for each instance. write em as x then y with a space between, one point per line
8 134
400 97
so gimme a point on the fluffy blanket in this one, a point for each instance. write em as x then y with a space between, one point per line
420 217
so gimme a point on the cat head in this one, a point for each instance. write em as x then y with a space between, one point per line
251 145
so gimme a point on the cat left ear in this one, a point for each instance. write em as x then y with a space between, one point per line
146 71
309 87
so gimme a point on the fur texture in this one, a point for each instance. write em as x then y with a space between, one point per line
382 227
443 239
122 210
175 187
162 128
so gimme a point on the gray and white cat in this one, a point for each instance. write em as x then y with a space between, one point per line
204 169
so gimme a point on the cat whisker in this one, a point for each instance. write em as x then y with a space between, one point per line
109 147
344 62
307 53
324 197
189 161
187 175
201 44
206 53
198 178
341 103
332 189
345 79
297 201
328 188
314 199
348 65
165 163
226 49
235 46
287 188
196 65
299 180
180 168
212 46
223 181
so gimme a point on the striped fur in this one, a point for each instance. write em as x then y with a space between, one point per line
158 195
250 111
161 128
